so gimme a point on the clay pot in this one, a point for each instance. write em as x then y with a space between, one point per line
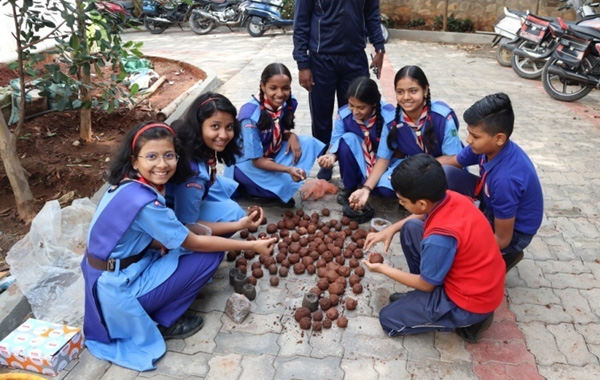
239 280
311 302
232 273
249 291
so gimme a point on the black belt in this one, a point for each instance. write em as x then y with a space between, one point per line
109 265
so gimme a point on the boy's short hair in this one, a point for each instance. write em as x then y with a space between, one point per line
494 114
420 177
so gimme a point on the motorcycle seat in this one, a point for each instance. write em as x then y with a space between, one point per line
584 31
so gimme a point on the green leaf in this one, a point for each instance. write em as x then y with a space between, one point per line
77 104
134 89
86 68
13 65
74 42
73 70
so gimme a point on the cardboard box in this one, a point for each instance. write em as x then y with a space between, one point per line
40 346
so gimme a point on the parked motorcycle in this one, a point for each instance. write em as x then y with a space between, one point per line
539 38
574 68
384 28
506 35
217 13
158 16
265 14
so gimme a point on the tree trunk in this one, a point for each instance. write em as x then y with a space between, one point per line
445 25
85 115
16 173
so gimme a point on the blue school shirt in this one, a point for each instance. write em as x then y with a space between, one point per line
445 125
511 188
345 122
187 198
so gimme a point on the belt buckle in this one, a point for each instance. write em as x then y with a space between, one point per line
110 265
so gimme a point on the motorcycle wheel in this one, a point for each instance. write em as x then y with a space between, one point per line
255 28
385 32
564 89
154 27
527 68
201 25
503 56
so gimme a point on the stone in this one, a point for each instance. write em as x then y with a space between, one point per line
237 307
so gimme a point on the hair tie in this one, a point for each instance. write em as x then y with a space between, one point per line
150 126
206 101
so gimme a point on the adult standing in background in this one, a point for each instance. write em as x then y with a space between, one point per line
329 47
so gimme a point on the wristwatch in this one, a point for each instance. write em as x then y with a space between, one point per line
382 51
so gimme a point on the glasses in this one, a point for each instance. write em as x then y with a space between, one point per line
154 159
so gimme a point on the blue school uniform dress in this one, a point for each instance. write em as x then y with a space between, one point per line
445 125
197 199
510 188
263 183
346 142
124 305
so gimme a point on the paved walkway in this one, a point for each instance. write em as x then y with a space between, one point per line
548 326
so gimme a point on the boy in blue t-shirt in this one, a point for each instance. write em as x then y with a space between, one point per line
508 186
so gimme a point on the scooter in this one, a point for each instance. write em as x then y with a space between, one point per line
384 28
506 35
265 14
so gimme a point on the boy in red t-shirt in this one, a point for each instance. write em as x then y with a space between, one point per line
451 254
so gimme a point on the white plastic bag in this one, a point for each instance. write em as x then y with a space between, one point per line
46 261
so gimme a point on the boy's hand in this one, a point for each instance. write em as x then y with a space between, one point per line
373 267
264 246
384 236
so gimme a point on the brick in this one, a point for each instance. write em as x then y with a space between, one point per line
432 369
503 330
224 367
392 369
327 342
591 332
451 347
292 340
244 343
421 346
523 371
542 296
115 372
88 367
258 367
512 352
532 275
566 372
308 368
571 344
551 313
568 280
254 324
177 365
542 344
576 305
359 369
554 266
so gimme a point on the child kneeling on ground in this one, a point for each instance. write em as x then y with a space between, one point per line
451 254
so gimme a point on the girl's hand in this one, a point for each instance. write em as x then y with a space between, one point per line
326 161
293 144
248 220
358 199
264 246
384 236
297 174
372 267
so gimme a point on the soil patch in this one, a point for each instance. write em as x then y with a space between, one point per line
58 163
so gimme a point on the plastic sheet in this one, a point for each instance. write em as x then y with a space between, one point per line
46 261
316 188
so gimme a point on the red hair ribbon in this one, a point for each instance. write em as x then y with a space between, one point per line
149 126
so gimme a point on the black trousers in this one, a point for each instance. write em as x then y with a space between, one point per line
332 73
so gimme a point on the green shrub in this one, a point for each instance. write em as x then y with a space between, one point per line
287 12
454 24
415 23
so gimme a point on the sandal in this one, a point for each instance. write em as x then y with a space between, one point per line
185 326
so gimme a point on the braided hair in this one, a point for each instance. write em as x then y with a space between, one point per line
365 89
417 74
265 122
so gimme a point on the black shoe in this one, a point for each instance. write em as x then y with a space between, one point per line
472 334
325 174
396 296
361 216
512 259
343 196
289 204
185 326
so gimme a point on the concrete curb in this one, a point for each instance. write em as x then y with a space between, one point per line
14 307
443 37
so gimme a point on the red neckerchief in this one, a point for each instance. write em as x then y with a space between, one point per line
143 180
418 126
367 146
277 135
480 181
212 164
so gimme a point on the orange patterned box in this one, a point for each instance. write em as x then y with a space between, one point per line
41 346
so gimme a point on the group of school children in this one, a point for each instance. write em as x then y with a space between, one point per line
161 229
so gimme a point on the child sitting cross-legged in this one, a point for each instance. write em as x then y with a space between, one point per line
451 254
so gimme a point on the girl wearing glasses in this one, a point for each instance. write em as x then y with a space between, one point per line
209 131
142 267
